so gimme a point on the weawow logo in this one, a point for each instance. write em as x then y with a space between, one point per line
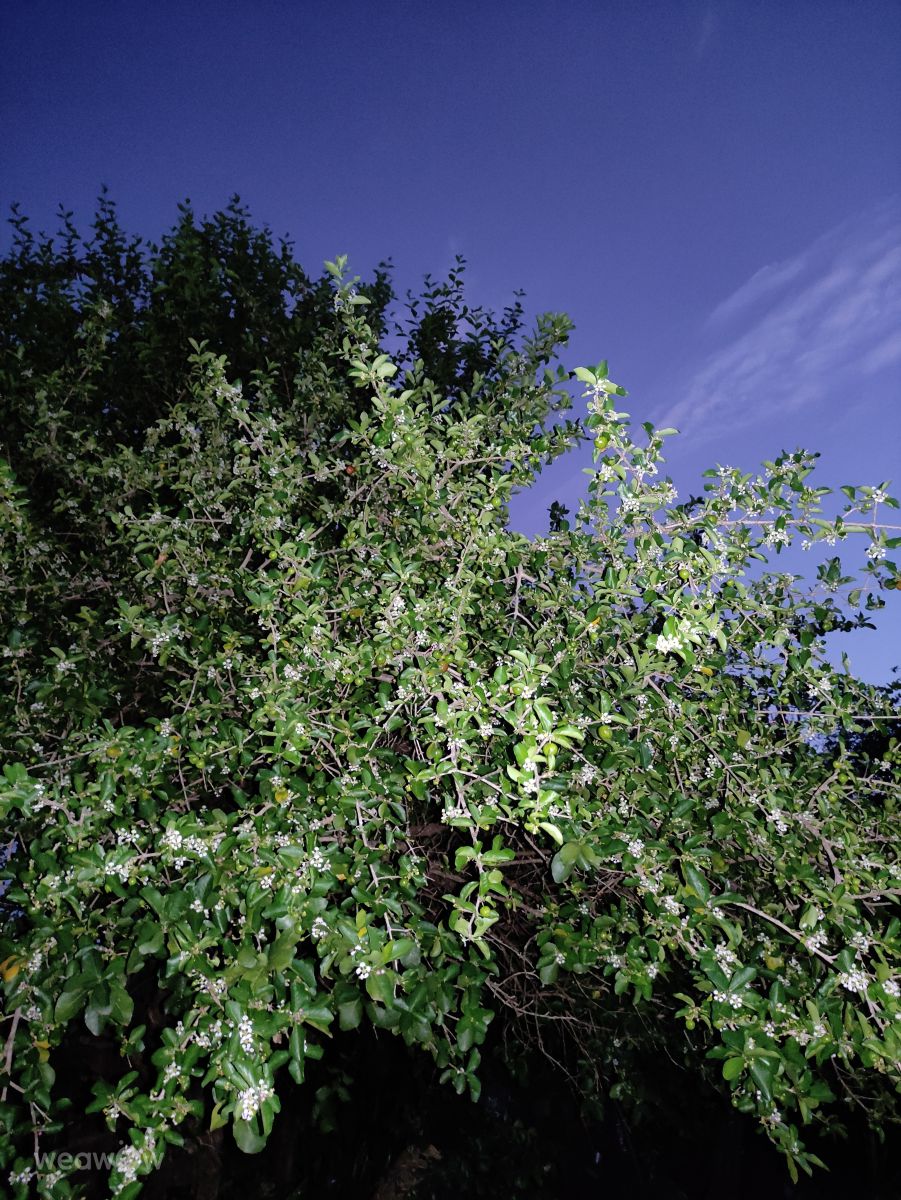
85 1160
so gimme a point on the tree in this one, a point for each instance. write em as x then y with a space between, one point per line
300 735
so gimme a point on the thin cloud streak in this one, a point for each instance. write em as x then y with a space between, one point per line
802 327
763 282
707 32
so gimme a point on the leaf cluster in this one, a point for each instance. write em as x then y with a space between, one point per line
299 734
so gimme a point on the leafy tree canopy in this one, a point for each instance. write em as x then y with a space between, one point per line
299 735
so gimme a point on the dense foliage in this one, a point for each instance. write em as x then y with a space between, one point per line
298 734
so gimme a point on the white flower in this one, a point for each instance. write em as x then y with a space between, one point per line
892 988
777 537
245 1034
731 998
666 644
396 608
635 847
171 840
875 551
724 956
777 816
320 928
318 860
249 1101
364 970
855 980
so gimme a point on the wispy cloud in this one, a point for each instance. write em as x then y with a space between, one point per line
799 328
762 283
706 32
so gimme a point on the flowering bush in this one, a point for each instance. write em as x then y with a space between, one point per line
299 734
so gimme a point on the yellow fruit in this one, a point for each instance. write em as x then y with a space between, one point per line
10 968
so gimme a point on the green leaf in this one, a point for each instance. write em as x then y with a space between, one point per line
560 870
552 830
380 986
149 938
281 952
548 973
762 1073
121 1005
732 1068
564 861
350 1013
68 1004
247 1137
742 977
696 881
317 1014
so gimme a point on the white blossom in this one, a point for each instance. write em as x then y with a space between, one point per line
245 1034
855 980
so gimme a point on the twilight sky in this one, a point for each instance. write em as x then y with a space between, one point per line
712 191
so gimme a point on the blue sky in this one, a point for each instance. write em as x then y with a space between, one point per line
712 191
